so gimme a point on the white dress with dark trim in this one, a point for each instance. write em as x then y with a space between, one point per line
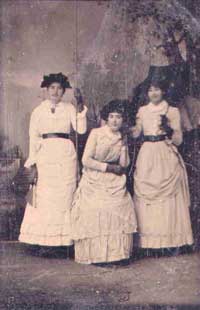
161 190
47 221
103 215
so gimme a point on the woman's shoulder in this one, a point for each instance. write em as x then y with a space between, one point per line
42 105
173 111
38 109
96 131
68 106
142 109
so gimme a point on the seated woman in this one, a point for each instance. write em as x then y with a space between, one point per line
103 215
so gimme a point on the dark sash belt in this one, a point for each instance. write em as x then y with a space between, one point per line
154 138
116 162
55 135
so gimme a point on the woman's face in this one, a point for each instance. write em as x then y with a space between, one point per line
55 92
115 121
155 94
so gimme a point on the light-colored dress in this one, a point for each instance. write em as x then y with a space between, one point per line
47 221
160 182
103 214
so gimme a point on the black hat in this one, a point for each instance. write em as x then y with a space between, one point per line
158 77
116 105
56 77
172 79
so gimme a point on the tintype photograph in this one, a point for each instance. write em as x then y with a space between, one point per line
100 155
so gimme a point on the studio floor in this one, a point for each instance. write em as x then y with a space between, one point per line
28 281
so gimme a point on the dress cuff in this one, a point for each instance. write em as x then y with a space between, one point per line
124 148
29 162
82 114
104 167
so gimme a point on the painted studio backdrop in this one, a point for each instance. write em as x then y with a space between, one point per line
109 49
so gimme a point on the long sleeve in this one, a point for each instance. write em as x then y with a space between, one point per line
137 129
34 140
124 159
175 124
79 120
88 156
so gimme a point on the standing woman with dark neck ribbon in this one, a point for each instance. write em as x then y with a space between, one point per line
161 191
47 221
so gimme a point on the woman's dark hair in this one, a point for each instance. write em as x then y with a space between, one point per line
157 84
56 78
116 105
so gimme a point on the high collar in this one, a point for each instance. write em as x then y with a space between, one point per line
160 108
114 136
47 104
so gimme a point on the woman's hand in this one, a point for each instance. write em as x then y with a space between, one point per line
125 130
124 141
31 174
165 126
79 100
135 132
116 169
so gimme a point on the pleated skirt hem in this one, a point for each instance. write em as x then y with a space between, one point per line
59 240
170 241
104 249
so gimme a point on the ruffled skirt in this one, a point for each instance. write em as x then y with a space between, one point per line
162 197
103 219
47 220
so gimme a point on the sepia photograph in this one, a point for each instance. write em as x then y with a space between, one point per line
100 155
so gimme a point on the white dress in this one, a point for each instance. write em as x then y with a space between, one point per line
160 182
47 221
103 214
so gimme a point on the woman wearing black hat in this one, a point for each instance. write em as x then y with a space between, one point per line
47 221
160 180
103 213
